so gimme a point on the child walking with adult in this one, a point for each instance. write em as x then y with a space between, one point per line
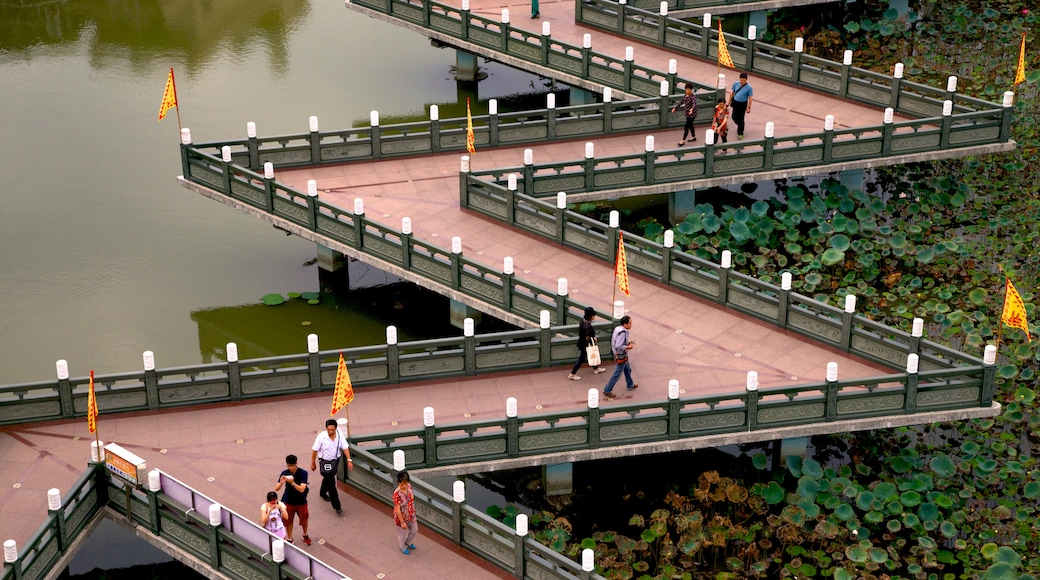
273 515
720 121
404 513
689 106
586 338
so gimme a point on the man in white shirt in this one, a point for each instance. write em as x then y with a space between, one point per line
327 448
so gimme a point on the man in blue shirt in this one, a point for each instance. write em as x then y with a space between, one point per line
740 103
620 344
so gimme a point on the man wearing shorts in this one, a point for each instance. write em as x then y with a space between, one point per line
294 497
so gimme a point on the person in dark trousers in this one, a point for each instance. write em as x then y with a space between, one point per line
534 9
586 336
689 106
620 344
740 102
328 446
720 121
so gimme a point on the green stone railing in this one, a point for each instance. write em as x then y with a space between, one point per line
747 411
376 142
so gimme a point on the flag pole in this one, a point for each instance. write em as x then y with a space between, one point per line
347 411
718 69
178 105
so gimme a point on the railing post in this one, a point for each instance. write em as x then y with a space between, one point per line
464 19
406 242
705 35
897 81
916 331
629 57
561 301
470 347
393 355
185 145
752 400
225 175
234 371
376 136
752 35
426 14
846 67
846 321
154 488
912 378
546 37
796 59
590 165
612 235
493 122
783 300
54 510
505 30
458 495
832 391
313 363
662 107
593 404
507 283
828 138
673 69
277 558
214 535
435 128
608 111
315 139
151 381
620 25
588 564
456 262
544 338
512 428
359 222
709 153
989 375
430 437
64 388
586 54
269 187
550 116
725 264
887 131
947 124
648 160
666 256
662 22
519 568
254 148
561 216
673 408
529 171
720 88
464 182
97 457
312 206
767 149
511 199
11 558
1005 120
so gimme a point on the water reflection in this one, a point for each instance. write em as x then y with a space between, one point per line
180 32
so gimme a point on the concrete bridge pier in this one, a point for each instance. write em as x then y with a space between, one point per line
852 178
581 96
333 270
783 448
466 68
680 204
758 19
558 479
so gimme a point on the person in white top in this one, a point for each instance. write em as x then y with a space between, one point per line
273 515
328 446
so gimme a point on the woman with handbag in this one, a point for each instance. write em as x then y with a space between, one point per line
588 351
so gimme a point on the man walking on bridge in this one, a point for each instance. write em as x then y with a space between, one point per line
328 446
620 344
740 102
294 497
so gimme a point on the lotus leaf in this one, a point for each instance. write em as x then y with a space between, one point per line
273 299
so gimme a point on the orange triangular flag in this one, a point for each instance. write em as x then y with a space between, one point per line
1014 314
470 138
724 58
92 410
169 98
1020 73
621 266
344 393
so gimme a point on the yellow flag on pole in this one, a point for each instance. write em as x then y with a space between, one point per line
470 139
169 98
1020 73
724 58
344 392
1014 314
92 410
621 266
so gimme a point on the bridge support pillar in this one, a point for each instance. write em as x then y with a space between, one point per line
459 312
901 6
758 19
793 446
581 96
558 479
333 270
681 204
465 66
